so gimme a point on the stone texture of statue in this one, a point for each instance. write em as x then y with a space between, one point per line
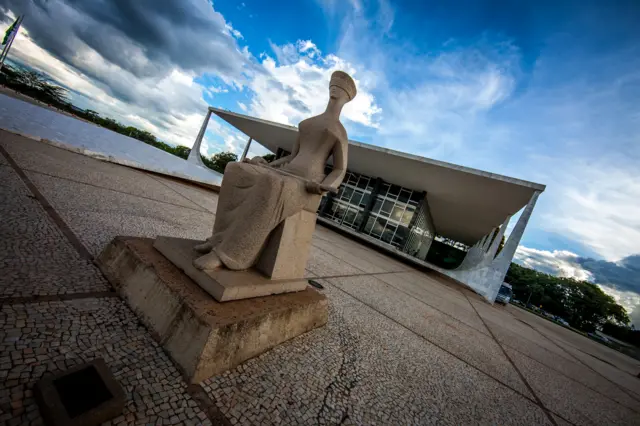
255 197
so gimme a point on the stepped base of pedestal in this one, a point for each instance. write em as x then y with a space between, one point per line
204 337
224 284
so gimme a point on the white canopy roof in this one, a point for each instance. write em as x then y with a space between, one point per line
465 203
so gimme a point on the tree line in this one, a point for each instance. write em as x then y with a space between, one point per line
582 304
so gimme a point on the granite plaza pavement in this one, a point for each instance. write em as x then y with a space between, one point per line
401 346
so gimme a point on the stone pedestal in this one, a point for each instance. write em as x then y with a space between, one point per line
287 250
204 337
223 284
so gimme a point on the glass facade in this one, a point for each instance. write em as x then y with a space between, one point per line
421 234
380 210
348 207
393 210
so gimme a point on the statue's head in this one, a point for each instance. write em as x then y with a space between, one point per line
342 86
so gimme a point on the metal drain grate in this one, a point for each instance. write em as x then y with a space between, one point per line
86 395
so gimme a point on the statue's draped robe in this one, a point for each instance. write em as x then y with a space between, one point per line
253 200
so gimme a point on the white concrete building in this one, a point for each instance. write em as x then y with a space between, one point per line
400 202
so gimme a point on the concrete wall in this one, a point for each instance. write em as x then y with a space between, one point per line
481 269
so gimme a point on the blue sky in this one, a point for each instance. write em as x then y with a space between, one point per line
547 91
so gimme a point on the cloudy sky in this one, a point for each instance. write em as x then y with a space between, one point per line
547 91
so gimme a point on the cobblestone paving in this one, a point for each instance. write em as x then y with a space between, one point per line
363 368
584 407
44 337
33 156
448 333
200 196
400 347
35 258
97 215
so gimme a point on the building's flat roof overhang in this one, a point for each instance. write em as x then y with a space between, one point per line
465 203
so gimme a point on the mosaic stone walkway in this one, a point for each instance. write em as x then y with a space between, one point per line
401 346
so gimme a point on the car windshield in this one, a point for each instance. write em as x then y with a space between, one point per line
505 291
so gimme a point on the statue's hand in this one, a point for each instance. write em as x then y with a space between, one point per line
313 187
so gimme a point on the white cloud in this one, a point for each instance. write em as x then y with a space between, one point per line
172 106
561 263
597 204
294 86
330 6
242 106
582 137
237 34
308 47
438 113
212 90
220 136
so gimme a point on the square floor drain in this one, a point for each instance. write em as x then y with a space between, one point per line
87 394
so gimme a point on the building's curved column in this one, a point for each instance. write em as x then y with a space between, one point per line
493 249
474 255
194 155
487 243
246 150
487 277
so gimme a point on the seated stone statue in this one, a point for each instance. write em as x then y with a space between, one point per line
256 197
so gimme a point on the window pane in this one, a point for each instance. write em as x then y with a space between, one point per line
404 196
406 217
387 235
365 200
323 201
359 218
363 182
377 205
337 211
378 227
397 241
346 193
401 235
355 199
417 196
386 207
397 212
369 226
350 217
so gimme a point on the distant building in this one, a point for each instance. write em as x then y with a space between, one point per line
400 201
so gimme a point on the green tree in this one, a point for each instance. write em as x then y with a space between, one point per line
220 160
35 85
182 151
91 114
